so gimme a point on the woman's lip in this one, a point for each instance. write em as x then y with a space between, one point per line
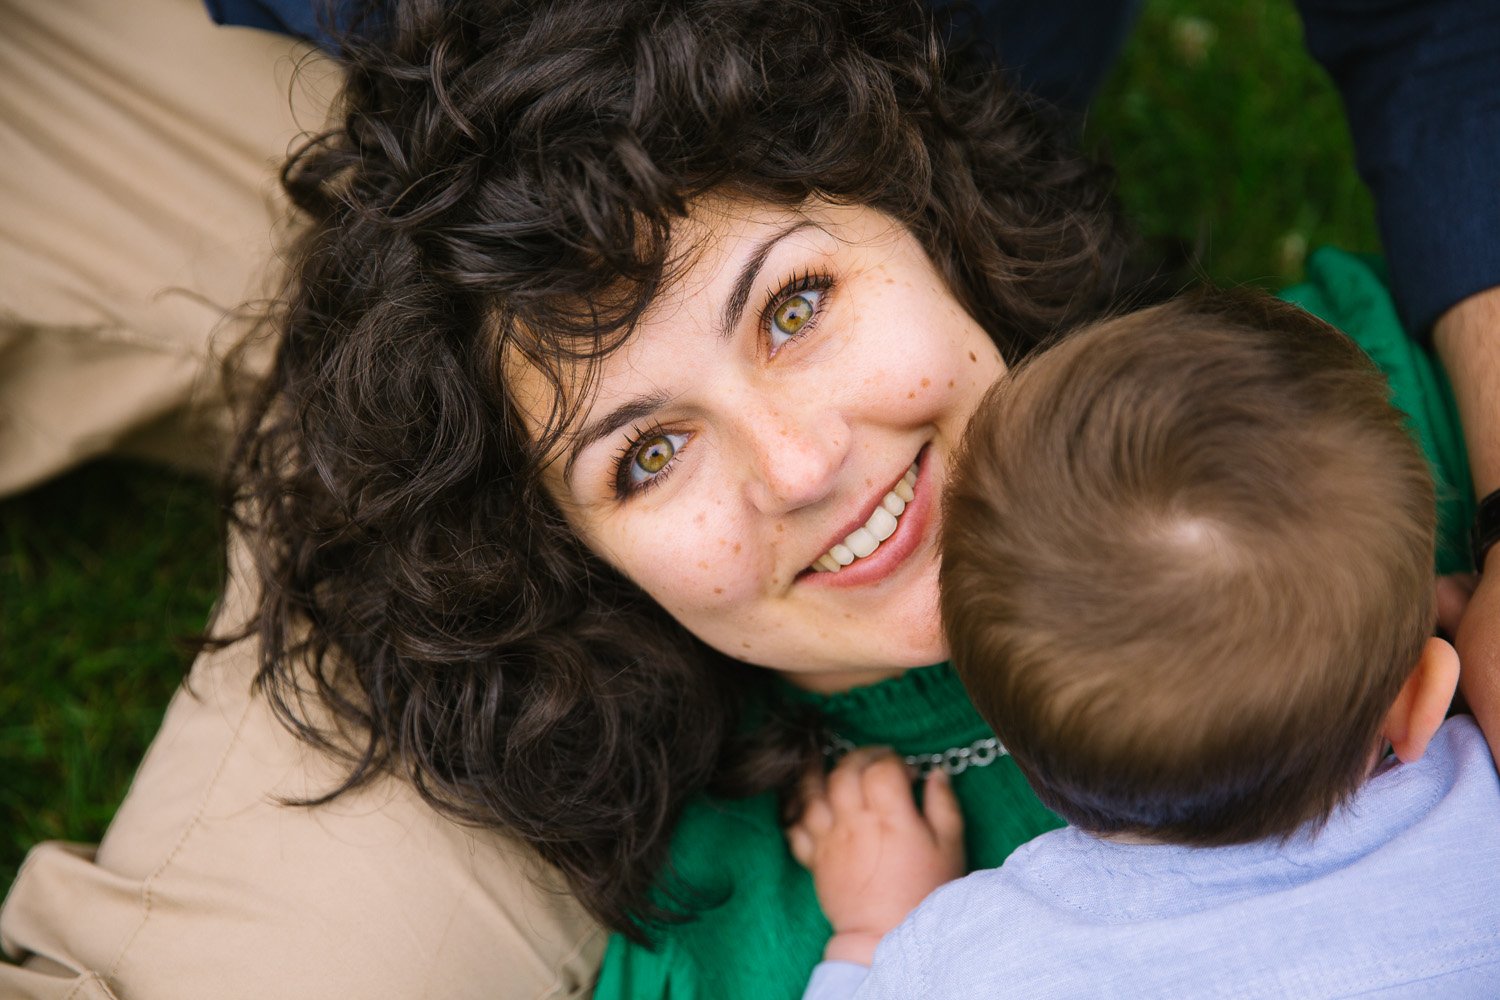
910 528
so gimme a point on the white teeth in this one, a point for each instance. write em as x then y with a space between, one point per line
862 541
880 525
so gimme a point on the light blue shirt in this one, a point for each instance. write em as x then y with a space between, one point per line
1397 896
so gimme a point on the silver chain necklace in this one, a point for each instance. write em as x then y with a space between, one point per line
954 760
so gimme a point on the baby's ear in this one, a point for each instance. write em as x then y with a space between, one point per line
1422 704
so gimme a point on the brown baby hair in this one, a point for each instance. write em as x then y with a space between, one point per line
1187 568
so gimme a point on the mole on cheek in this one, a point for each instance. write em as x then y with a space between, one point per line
950 383
974 358
718 590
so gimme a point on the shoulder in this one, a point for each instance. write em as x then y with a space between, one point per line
972 937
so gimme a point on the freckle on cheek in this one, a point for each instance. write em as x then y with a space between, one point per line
950 383
926 382
911 395
718 590
780 527
703 564
744 645
736 548
700 518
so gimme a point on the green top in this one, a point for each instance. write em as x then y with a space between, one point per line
1349 291
760 931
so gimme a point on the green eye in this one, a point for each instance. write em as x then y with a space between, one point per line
647 460
793 316
654 453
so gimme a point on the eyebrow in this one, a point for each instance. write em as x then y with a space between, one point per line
739 292
632 410
640 407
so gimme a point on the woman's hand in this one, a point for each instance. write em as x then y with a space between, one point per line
1467 338
872 854
1476 635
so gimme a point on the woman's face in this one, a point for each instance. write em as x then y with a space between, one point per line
760 422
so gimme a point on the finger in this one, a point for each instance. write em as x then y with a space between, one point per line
940 808
814 782
845 790
887 788
802 844
817 817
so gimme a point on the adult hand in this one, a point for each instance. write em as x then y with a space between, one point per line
1467 338
1477 640
872 854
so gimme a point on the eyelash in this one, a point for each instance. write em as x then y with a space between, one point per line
805 282
797 285
624 488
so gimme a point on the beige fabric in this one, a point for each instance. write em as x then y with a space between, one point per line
137 206
204 886
138 152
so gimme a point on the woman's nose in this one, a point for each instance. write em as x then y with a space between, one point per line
795 453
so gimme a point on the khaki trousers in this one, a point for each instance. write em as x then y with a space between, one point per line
139 210
138 146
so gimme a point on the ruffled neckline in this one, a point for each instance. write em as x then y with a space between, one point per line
923 711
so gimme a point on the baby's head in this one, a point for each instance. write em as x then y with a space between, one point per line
1188 569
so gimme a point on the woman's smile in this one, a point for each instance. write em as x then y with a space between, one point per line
766 454
879 542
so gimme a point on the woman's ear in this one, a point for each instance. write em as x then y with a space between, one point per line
1422 704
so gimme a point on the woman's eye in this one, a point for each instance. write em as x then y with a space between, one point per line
793 316
648 456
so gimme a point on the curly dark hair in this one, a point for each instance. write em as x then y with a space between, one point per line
503 185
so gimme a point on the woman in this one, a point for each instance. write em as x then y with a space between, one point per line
615 328
626 355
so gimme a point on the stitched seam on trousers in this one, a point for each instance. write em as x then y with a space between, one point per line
146 886
83 981
552 990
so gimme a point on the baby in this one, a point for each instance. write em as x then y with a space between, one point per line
1187 579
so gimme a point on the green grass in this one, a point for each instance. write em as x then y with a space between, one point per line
103 573
1224 133
1228 136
